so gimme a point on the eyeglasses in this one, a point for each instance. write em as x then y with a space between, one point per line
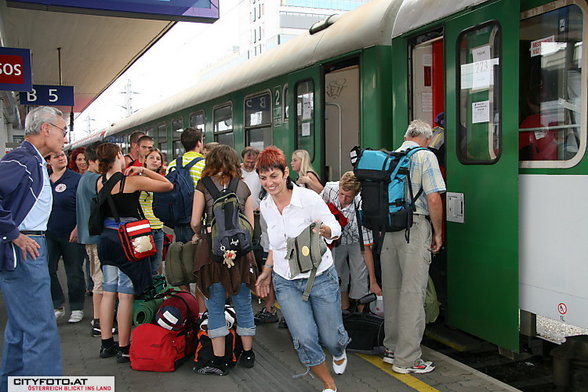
64 129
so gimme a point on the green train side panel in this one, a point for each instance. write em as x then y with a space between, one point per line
376 98
483 276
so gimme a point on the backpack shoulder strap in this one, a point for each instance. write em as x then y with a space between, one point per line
105 192
179 164
210 187
192 163
233 185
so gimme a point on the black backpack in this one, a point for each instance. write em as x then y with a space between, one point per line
175 207
97 215
204 355
230 228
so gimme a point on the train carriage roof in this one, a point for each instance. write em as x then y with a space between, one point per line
366 26
372 24
417 13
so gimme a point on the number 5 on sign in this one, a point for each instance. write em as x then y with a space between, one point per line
48 95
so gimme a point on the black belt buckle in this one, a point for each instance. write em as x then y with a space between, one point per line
33 232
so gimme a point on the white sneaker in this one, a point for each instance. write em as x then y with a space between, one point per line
340 369
419 367
59 313
76 316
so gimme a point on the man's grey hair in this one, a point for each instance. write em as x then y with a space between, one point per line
419 128
39 116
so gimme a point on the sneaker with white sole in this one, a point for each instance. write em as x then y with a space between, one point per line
388 357
59 312
419 367
76 316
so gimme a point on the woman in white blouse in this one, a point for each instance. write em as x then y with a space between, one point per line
288 210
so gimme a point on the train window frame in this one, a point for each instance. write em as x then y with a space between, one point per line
582 136
269 124
458 78
300 115
285 104
195 114
230 131
158 129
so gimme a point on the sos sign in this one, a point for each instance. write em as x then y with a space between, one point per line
15 69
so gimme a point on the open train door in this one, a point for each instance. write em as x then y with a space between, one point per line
481 58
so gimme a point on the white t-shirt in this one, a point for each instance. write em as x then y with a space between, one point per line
252 180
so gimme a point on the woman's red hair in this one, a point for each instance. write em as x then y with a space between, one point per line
271 158
74 155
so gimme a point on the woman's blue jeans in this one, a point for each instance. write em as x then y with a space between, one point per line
316 322
73 260
217 325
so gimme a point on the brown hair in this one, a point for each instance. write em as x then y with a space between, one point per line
222 160
106 154
249 150
160 170
190 138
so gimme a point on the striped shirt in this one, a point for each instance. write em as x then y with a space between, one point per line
349 233
196 170
146 201
425 174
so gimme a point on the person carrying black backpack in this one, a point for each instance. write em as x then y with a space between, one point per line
192 139
224 263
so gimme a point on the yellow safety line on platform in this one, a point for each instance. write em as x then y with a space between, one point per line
407 379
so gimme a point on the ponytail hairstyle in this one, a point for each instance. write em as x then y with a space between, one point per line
106 154
272 158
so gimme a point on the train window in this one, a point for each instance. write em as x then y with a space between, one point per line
286 104
551 94
258 121
223 125
305 116
479 98
198 120
161 138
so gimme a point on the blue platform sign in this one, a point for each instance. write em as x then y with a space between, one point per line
205 11
15 69
48 96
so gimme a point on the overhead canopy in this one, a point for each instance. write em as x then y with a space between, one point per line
95 50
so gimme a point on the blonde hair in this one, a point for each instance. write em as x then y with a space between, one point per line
305 165
349 182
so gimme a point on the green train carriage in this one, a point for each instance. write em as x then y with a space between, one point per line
508 77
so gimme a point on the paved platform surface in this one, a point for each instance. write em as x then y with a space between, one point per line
275 365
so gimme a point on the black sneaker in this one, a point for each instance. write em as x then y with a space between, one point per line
247 360
96 331
266 317
213 370
107 352
122 355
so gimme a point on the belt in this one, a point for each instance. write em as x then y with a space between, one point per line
33 232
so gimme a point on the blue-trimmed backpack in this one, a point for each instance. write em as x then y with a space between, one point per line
385 185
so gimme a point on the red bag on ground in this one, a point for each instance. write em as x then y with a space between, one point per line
157 349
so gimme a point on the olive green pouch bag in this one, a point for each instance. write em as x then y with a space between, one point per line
304 253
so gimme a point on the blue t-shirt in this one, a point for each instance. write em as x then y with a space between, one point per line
63 214
86 191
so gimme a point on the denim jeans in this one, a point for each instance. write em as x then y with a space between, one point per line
155 260
217 325
183 233
316 322
31 340
73 260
